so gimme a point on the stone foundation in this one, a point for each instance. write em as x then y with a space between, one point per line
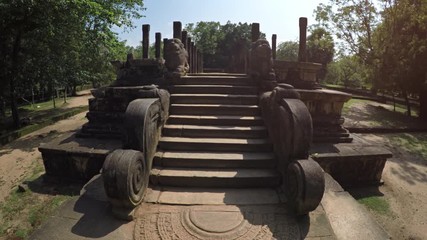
76 159
352 164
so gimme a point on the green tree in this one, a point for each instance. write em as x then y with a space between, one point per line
402 50
320 49
58 43
347 71
353 22
288 51
220 44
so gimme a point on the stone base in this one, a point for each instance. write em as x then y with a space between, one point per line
352 164
76 159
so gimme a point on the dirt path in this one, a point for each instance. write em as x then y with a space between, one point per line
18 158
404 175
405 189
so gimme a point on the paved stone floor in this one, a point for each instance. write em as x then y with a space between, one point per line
228 222
89 216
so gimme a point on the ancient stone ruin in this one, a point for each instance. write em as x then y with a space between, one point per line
165 126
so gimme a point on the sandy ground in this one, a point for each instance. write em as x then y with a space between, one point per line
18 158
404 176
405 189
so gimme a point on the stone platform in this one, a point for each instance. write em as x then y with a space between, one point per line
352 164
89 216
76 159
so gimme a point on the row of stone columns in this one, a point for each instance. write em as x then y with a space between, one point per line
195 57
302 52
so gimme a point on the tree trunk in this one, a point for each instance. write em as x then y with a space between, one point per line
2 107
408 104
423 102
74 90
13 78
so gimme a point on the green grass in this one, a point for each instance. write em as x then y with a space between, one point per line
347 105
414 143
22 212
44 120
377 204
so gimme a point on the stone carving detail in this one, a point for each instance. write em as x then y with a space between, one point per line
182 225
142 127
126 172
262 64
176 57
125 176
290 126
305 185
138 72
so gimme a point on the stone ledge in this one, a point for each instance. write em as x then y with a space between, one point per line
76 159
348 219
354 164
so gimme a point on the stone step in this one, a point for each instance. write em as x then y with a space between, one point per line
215 99
100 131
215 159
214 89
108 104
211 196
215 144
214 80
214 109
204 177
105 117
216 120
219 74
197 131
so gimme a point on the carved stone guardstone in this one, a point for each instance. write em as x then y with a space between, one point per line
290 127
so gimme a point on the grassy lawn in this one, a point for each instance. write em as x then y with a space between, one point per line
23 211
376 203
414 143
40 115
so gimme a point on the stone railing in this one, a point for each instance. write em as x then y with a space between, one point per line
290 128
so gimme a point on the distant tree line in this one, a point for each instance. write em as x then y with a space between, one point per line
51 44
382 46
223 46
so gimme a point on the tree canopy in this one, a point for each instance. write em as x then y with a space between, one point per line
59 43
219 43
387 38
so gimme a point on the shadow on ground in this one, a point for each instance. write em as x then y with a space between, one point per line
370 115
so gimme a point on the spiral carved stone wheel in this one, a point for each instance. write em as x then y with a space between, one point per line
306 184
125 178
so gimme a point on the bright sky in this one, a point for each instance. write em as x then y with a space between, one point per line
275 16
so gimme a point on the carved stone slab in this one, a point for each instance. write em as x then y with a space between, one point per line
217 222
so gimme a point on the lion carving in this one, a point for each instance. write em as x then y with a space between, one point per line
176 57
262 64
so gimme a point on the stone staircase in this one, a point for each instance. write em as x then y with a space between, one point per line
215 137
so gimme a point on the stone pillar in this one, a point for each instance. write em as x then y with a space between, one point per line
157 44
192 65
189 50
199 62
273 45
302 53
255 32
177 30
145 40
184 39
164 44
